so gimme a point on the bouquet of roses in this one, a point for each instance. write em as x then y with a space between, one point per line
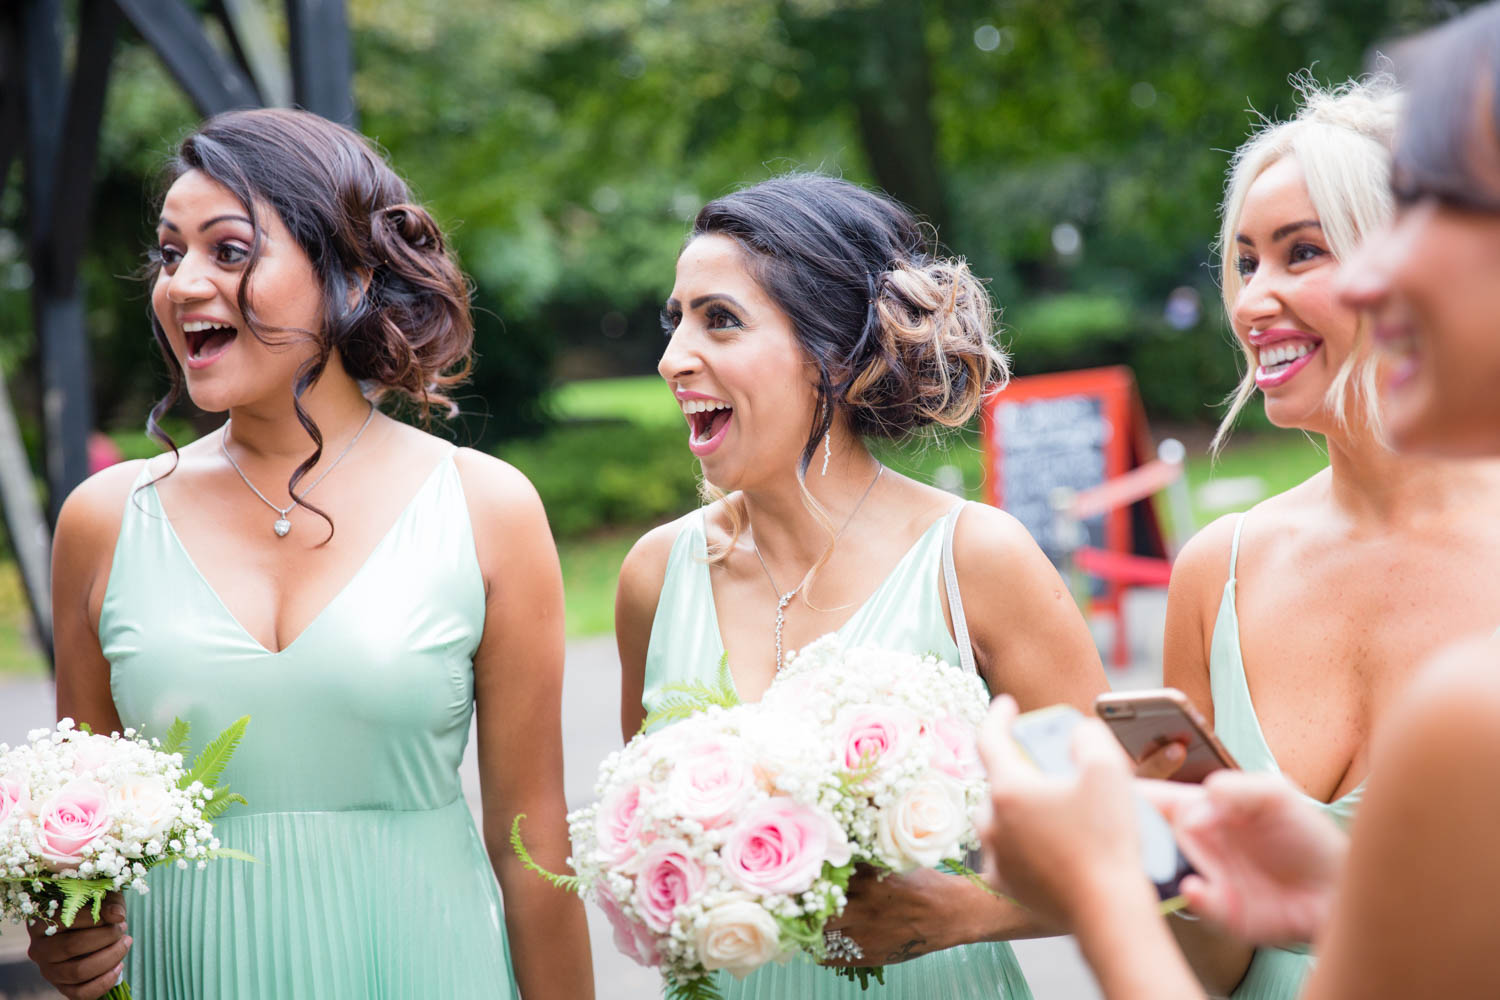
727 840
82 815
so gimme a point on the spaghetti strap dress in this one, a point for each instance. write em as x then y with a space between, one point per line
904 613
1274 973
371 880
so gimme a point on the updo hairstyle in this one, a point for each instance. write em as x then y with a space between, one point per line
395 304
1342 140
903 338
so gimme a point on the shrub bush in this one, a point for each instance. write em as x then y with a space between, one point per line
604 474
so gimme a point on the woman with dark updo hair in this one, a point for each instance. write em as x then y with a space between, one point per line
356 586
808 316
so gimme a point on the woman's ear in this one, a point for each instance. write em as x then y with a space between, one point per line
360 287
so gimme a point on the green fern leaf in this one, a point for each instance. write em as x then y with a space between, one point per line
571 883
222 800
230 854
692 989
210 763
177 736
683 699
78 893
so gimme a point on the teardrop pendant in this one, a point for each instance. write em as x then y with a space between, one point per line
281 527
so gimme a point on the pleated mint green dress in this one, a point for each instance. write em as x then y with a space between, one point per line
1274 973
372 880
905 612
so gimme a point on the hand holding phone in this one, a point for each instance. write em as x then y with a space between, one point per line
1146 721
1045 737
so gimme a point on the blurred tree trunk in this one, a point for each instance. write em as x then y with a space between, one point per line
892 97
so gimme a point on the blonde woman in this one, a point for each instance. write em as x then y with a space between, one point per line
1293 626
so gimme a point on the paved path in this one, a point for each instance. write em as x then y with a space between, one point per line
591 730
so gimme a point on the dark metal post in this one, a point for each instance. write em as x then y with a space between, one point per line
322 65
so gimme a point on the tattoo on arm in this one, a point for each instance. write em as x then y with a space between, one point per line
909 950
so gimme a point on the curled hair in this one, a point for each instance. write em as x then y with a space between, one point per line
395 305
902 337
1342 139
1448 146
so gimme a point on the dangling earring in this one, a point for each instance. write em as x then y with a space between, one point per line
827 452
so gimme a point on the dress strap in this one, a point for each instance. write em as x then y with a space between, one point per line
1234 549
955 599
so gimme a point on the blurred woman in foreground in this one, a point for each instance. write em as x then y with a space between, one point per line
1408 904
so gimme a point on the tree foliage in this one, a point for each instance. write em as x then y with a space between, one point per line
567 144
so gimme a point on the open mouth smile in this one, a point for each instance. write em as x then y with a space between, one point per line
708 423
1283 359
207 340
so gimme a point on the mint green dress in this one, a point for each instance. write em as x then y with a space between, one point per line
372 881
905 612
1274 973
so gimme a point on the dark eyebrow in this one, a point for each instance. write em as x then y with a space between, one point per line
225 218
1283 232
165 223
704 300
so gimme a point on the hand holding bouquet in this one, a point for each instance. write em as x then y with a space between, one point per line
83 815
727 840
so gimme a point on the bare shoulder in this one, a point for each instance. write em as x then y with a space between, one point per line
645 567
494 487
985 534
1202 566
90 517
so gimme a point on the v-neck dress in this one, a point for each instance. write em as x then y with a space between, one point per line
371 879
1274 973
904 613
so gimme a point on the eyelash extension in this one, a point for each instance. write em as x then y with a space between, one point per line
669 321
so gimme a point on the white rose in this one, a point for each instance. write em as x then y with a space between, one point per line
925 825
738 936
144 803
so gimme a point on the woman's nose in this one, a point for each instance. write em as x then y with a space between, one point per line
678 361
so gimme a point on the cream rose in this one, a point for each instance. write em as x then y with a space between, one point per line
925 825
146 804
739 937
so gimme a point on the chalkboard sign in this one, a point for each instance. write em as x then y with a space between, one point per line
1069 429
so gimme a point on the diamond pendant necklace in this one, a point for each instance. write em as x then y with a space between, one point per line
282 525
782 600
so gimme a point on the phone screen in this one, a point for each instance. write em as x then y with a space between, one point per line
1046 738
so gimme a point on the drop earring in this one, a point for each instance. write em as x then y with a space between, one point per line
827 452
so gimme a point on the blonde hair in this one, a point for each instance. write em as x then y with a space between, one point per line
1341 137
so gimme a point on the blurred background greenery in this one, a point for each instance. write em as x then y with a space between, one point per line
1072 150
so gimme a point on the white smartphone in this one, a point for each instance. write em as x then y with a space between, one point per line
1045 737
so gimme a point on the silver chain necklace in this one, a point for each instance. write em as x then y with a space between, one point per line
782 600
282 525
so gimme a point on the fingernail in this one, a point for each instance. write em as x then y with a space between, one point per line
129 940
1175 752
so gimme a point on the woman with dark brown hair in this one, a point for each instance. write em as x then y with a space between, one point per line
356 586
1407 904
809 316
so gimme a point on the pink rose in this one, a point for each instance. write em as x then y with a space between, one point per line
780 845
70 821
873 732
954 750
710 782
632 938
618 826
13 795
667 879
91 752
